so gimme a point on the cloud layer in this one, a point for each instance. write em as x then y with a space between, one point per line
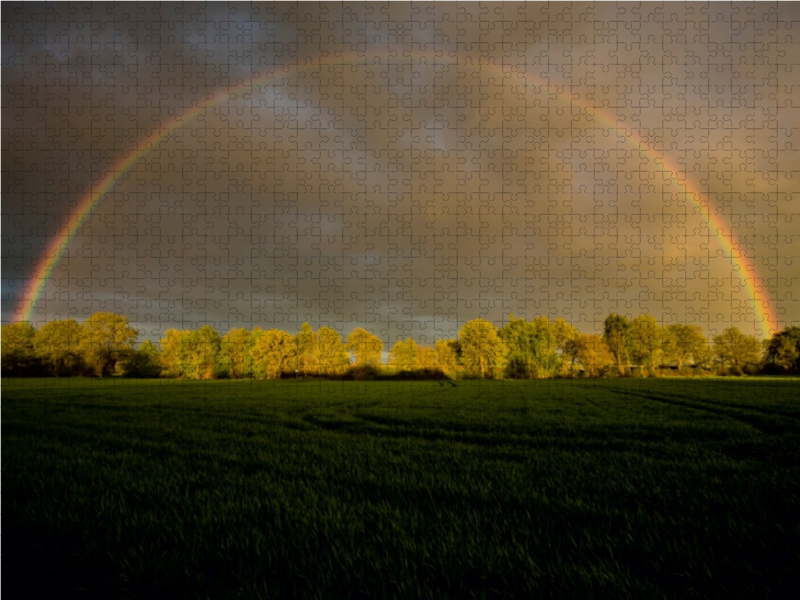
404 167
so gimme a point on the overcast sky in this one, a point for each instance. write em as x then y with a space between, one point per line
403 167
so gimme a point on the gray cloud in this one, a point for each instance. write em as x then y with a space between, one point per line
409 167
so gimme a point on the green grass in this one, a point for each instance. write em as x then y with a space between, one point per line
316 489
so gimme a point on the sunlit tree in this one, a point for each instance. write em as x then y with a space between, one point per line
565 334
106 339
783 350
482 351
235 352
531 348
307 350
59 344
447 352
144 362
275 352
427 358
197 352
333 357
365 347
616 336
170 352
593 354
16 350
646 342
404 355
683 343
734 348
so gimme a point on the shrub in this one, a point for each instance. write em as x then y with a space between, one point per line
751 369
735 371
362 373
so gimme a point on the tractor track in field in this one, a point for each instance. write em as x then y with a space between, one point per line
750 420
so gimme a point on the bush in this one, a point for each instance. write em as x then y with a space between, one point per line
420 374
362 373
751 369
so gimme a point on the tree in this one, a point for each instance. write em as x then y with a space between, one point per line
783 350
616 337
107 338
235 352
531 348
565 334
646 341
483 352
145 362
734 348
427 358
333 357
404 355
593 353
17 353
365 347
170 352
197 352
705 356
683 343
59 344
308 350
274 352
447 353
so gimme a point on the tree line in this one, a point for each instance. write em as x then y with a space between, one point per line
105 345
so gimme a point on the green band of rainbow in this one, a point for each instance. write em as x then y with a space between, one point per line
765 308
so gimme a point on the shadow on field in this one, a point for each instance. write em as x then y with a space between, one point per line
516 445
41 567
769 423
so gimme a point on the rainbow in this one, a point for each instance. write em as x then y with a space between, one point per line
765 309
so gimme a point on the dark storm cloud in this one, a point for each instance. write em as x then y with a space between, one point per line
408 169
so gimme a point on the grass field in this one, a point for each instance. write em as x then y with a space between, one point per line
316 489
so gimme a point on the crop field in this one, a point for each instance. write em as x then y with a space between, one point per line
621 488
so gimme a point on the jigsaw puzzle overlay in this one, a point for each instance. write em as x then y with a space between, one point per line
402 167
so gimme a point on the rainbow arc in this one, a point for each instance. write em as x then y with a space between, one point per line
764 306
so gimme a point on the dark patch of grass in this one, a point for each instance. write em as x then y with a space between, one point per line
370 489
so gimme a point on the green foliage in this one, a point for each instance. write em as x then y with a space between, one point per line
782 352
61 347
235 357
531 348
593 354
274 353
457 489
144 362
107 339
333 357
307 350
646 343
197 352
737 350
483 352
565 334
105 345
18 357
170 346
683 343
448 353
404 355
616 335
365 347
